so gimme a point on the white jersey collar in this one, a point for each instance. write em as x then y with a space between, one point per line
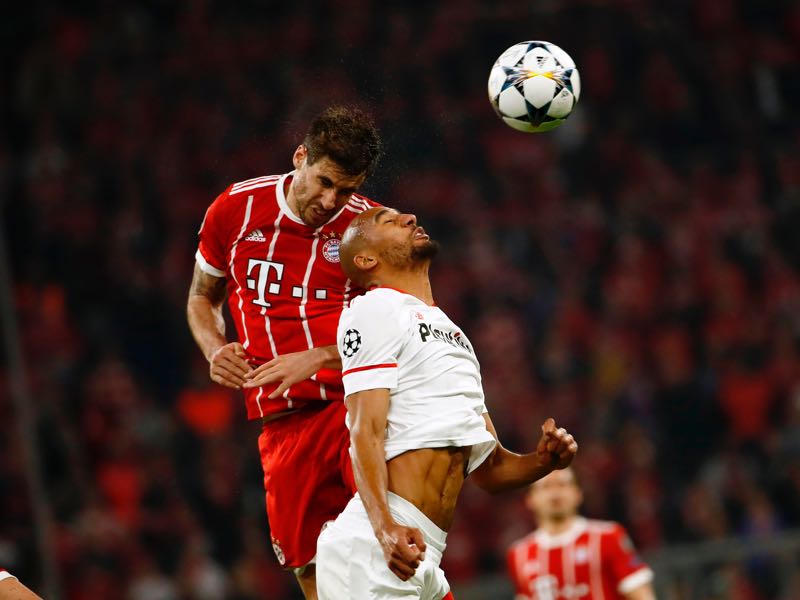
548 540
412 296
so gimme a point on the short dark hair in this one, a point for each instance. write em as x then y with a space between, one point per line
348 137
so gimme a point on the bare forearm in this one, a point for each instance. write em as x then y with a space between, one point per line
207 324
369 469
506 470
329 357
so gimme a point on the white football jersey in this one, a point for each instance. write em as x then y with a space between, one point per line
390 339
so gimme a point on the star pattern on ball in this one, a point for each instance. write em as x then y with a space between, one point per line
534 86
351 342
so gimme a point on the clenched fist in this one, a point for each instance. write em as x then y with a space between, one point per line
556 447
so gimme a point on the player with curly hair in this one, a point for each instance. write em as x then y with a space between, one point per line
270 245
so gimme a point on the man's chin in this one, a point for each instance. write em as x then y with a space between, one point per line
425 251
559 515
315 220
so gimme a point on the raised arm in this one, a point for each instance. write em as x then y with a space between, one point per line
227 361
403 547
505 470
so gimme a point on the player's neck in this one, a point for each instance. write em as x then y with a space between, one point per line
414 283
291 199
559 526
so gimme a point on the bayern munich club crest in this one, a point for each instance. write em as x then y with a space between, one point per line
330 250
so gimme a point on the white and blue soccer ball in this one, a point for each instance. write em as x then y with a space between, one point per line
534 86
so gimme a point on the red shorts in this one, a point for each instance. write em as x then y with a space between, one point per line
308 477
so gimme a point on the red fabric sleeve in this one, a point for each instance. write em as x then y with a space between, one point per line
214 236
621 557
520 587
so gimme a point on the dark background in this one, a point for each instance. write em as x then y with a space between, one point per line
633 274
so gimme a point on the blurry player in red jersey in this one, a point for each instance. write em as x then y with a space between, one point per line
569 556
271 246
12 589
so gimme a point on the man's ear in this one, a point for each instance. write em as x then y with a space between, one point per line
365 262
300 156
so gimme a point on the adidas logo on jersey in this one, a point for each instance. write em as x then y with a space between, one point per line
255 236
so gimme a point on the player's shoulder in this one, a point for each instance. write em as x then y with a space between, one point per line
378 300
263 184
382 306
523 543
362 202
233 204
605 528
356 205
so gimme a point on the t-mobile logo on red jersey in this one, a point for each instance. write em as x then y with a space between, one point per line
263 285
546 587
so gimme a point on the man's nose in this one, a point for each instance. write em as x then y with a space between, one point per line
328 199
409 220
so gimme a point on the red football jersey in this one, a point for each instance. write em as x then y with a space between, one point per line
286 289
593 560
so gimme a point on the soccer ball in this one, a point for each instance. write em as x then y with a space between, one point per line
534 86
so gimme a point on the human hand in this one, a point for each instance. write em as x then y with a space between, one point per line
288 369
228 365
556 447
404 549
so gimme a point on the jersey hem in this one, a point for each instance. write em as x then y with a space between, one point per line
485 447
6 575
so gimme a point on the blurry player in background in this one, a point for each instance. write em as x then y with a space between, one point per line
417 419
12 589
271 246
569 556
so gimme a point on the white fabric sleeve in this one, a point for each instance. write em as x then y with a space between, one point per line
6 575
369 340
635 580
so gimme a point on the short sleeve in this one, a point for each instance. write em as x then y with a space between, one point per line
214 233
512 564
5 575
369 340
629 571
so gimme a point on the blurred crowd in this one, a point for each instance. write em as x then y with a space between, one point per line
633 274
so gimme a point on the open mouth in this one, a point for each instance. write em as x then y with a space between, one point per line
419 234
